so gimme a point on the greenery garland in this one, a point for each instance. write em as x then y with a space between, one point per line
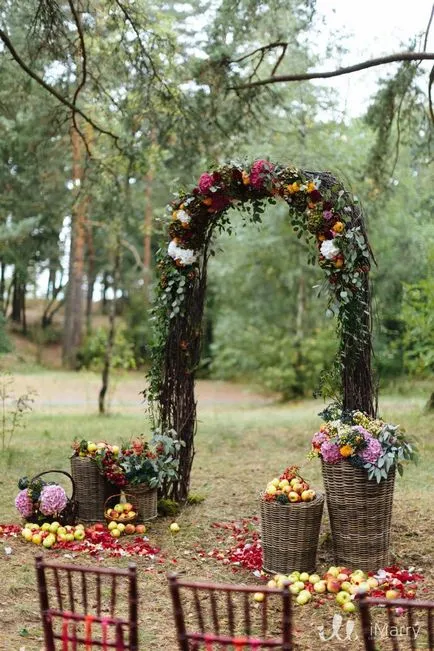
324 214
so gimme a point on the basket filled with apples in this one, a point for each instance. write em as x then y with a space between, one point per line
291 513
121 509
92 487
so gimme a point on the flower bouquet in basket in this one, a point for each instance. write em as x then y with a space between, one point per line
140 468
366 443
291 514
42 501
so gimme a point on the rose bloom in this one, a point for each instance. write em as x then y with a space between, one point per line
138 446
206 182
260 169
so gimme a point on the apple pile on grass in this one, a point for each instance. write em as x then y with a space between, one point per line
118 529
338 581
289 488
122 512
48 534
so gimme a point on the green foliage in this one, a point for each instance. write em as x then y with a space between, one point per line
168 507
418 318
195 498
92 353
5 344
13 410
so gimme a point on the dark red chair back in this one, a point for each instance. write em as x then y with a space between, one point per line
87 607
219 616
398 624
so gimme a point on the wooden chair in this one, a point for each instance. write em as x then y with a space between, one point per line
219 616
81 606
399 632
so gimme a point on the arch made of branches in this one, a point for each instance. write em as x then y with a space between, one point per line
323 212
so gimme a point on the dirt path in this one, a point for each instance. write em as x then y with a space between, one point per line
63 392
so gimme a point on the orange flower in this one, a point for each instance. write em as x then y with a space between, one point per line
346 450
246 178
339 262
321 237
311 186
294 187
338 227
207 201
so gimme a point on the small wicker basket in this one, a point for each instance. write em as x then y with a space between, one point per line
121 498
289 534
69 513
146 499
360 512
92 489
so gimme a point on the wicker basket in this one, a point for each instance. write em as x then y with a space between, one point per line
121 498
91 487
69 513
289 534
146 499
360 512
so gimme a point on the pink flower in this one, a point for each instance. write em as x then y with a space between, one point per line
373 451
24 504
330 452
206 182
318 439
259 172
52 500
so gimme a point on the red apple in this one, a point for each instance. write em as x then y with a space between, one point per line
333 585
294 497
129 529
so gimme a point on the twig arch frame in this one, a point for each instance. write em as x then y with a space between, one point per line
322 211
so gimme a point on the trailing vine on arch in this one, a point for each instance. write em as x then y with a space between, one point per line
323 212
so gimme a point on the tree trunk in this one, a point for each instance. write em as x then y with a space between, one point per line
105 286
111 333
147 234
16 298
2 286
74 297
430 403
91 277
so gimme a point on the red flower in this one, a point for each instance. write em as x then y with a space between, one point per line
206 182
315 196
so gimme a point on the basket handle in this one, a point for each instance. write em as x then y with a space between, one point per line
63 472
120 495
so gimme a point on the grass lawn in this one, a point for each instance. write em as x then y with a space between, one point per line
240 446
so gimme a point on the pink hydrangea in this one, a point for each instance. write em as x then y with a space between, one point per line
24 504
52 500
330 452
258 173
373 450
318 439
206 182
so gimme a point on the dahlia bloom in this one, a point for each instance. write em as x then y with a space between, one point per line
329 249
52 499
373 451
24 504
260 169
330 452
184 256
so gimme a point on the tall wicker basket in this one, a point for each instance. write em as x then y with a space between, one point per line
289 535
146 499
92 489
360 512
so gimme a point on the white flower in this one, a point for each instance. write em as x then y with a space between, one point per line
183 217
329 249
184 256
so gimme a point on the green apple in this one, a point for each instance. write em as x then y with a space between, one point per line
60 530
346 586
121 527
37 538
294 589
304 576
174 527
334 571
112 525
271 584
61 537
115 449
69 537
320 587
91 447
27 534
79 534
115 533
392 594
259 596
349 607
294 576
45 526
54 527
275 482
303 597
314 578
342 597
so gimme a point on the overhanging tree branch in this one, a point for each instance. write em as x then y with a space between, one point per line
363 65
51 90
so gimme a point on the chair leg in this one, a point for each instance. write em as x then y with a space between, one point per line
179 615
365 619
43 601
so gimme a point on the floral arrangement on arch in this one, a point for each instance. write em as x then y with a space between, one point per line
40 500
140 462
317 211
367 443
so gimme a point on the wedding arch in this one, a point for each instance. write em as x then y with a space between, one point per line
323 212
